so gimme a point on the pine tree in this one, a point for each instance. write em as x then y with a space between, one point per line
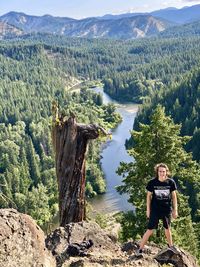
25 179
37 204
33 160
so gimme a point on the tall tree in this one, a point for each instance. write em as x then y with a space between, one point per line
33 160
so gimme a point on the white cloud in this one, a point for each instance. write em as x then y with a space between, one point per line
179 3
134 9
137 9
171 3
191 1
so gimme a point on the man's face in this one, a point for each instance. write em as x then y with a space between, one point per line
162 173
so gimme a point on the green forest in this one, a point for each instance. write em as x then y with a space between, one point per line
37 69
30 81
181 102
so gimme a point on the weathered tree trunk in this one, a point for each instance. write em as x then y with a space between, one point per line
70 142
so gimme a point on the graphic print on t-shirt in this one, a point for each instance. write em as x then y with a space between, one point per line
162 194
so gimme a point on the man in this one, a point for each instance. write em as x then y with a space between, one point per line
161 204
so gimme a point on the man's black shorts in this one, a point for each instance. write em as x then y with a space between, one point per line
154 220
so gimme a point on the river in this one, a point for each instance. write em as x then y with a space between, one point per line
113 153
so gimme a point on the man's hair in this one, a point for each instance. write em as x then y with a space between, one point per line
163 165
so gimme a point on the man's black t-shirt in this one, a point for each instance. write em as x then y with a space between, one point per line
161 195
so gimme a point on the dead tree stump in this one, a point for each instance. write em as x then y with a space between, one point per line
70 141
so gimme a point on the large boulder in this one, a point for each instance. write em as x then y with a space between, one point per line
178 257
106 251
103 250
22 242
155 256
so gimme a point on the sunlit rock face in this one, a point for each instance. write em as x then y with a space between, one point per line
7 30
85 244
22 241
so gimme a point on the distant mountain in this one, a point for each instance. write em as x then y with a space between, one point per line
120 16
121 28
7 30
125 28
181 16
28 23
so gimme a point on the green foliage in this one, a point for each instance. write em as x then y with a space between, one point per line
30 79
186 30
181 101
27 172
129 227
183 225
160 141
95 180
38 204
101 219
130 70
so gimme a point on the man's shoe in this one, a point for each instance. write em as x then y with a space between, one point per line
173 248
139 253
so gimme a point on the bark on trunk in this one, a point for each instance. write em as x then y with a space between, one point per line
70 142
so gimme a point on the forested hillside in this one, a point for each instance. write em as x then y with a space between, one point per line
182 102
155 62
29 82
189 29
147 64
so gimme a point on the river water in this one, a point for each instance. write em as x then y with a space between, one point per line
113 153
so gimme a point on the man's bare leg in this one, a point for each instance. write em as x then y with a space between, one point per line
145 238
168 235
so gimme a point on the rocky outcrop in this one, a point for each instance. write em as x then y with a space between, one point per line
177 257
22 242
85 244
106 251
9 31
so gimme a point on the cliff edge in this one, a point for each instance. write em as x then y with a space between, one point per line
23 244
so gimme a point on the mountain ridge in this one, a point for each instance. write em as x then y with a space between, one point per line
122 26
169 13
180 16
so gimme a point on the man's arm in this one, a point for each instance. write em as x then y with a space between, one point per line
175 207
149 196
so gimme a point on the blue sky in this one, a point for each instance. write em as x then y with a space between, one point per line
88 8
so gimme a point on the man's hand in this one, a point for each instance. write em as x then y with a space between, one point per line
174 214
148 213
175 208
149 196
